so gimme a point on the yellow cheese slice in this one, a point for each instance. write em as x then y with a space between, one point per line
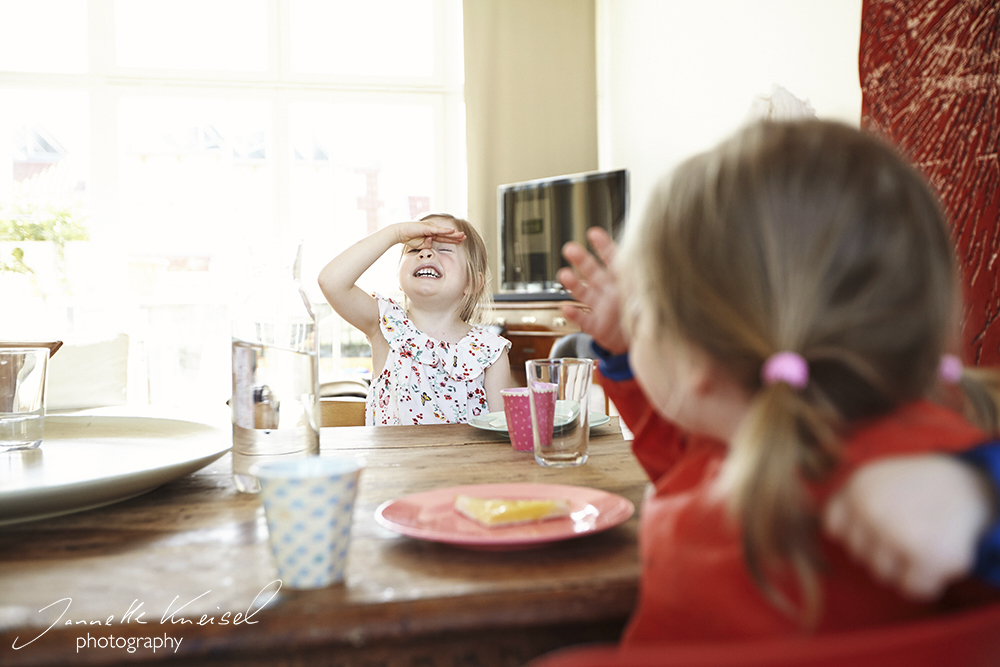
492 512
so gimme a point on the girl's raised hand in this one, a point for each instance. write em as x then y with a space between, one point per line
593 283
421 234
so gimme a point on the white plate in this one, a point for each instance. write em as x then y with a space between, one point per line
90 461
497 421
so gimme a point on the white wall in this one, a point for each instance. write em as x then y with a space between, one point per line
676 76
530 98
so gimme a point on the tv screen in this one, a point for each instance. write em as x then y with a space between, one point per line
535 218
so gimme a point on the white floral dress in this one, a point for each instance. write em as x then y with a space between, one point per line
429 381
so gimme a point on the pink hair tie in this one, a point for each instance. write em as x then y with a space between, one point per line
787 367
950 369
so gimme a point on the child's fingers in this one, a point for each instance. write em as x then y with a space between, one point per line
886 563
568 279
573 278
586 265
603 244
424 234
922 583
454 236
443 233
420 242
581 291
930 572
859 540
574 253
840 523
572 312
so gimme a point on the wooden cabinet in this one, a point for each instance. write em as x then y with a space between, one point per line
531 327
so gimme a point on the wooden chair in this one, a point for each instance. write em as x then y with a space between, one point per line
342 402
342 411
577 345
964 639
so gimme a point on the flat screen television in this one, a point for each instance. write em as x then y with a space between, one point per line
535 218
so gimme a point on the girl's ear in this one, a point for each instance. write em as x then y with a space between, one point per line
708 378
722 400
702 375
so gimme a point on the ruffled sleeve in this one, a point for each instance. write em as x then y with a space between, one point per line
396 326
471 356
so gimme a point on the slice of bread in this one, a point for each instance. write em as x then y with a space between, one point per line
493 512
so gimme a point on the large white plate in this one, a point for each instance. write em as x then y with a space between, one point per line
431 515
90 461
497 421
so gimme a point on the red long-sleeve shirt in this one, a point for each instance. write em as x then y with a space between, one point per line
695 585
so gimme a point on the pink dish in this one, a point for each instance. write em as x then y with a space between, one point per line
431 516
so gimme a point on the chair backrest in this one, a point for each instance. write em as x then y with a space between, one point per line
344 387
573 345
342 411
89 374
966 639
577 345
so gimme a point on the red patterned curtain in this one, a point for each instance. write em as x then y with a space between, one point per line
930 82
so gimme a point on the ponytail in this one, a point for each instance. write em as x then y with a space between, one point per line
782 440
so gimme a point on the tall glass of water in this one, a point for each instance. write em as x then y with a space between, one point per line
275 367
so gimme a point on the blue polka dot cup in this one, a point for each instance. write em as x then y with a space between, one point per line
308 503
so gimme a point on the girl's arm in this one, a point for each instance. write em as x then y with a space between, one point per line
658 444
497 378
337 279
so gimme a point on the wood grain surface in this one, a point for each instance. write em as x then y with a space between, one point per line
192 558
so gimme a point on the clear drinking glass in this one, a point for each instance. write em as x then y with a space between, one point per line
559 390
275 369
22 397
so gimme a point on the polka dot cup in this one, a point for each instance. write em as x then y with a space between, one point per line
309 503
517 412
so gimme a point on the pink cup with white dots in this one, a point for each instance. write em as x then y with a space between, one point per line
517 411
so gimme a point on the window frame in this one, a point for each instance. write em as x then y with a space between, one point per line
107 84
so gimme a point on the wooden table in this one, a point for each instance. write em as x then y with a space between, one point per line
192 556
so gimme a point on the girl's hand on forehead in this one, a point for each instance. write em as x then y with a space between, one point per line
423 234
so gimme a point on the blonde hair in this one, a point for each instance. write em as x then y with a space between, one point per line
475 305
810 237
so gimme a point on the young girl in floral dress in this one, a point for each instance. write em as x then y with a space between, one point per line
431 363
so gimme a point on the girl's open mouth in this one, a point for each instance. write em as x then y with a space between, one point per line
427 272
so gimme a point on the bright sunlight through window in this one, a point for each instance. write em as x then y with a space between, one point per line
145 146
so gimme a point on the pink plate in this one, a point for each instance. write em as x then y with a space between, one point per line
431 515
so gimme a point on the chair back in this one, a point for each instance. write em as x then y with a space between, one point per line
342 411
965 639
89 374
577 345
344 387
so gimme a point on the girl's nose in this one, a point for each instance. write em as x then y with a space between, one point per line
426 253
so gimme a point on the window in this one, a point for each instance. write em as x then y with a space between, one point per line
156 142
